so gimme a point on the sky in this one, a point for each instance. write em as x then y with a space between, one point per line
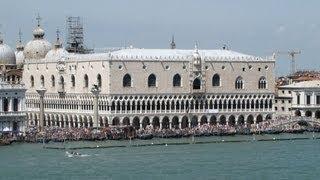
255 27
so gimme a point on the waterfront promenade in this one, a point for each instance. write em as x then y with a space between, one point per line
58 134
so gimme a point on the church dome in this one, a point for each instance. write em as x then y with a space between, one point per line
56 54
7 55
19 51
38 47
58 51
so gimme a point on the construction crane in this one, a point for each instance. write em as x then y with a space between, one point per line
292 54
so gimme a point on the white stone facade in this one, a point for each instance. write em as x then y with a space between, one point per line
12 107
164 87
303 99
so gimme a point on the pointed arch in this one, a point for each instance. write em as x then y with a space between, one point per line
239 83
126 121
156 122
61 83
152 80
222 120
145 122
216 80
240 120
31 81
86 81
73 81
262 84
184 122
196 83
259 119
232 120
53 81
176 80
213 120
126 81
42 81
99 81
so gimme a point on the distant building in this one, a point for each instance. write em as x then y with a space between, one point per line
299 99
168 88
12 92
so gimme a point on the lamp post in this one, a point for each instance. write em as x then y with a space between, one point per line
95 91
41 92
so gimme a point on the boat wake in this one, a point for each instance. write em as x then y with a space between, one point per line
75 154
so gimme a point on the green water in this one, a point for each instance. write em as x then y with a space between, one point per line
292 159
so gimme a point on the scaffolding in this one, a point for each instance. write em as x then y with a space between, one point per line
75 36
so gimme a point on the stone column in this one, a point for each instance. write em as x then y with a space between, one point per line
41 92
1 104
10 105
19 104
96 91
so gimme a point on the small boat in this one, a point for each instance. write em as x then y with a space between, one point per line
73 154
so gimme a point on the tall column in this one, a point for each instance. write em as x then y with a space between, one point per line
96 91
10 104
1 104
41 92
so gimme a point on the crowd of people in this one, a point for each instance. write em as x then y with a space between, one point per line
33 134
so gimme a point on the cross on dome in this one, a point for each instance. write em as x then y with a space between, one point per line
20 35
19 44
173 44
38 19
196 47
38 32
58 33
58 43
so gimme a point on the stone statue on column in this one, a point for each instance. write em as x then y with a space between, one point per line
41 92
95 90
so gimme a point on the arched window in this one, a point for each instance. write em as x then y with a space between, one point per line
152 80
176 80
61 83
73 81
196 84
239 83
86 81
53 81
216 80
99 81
126 81
32 81
42 80
262 83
